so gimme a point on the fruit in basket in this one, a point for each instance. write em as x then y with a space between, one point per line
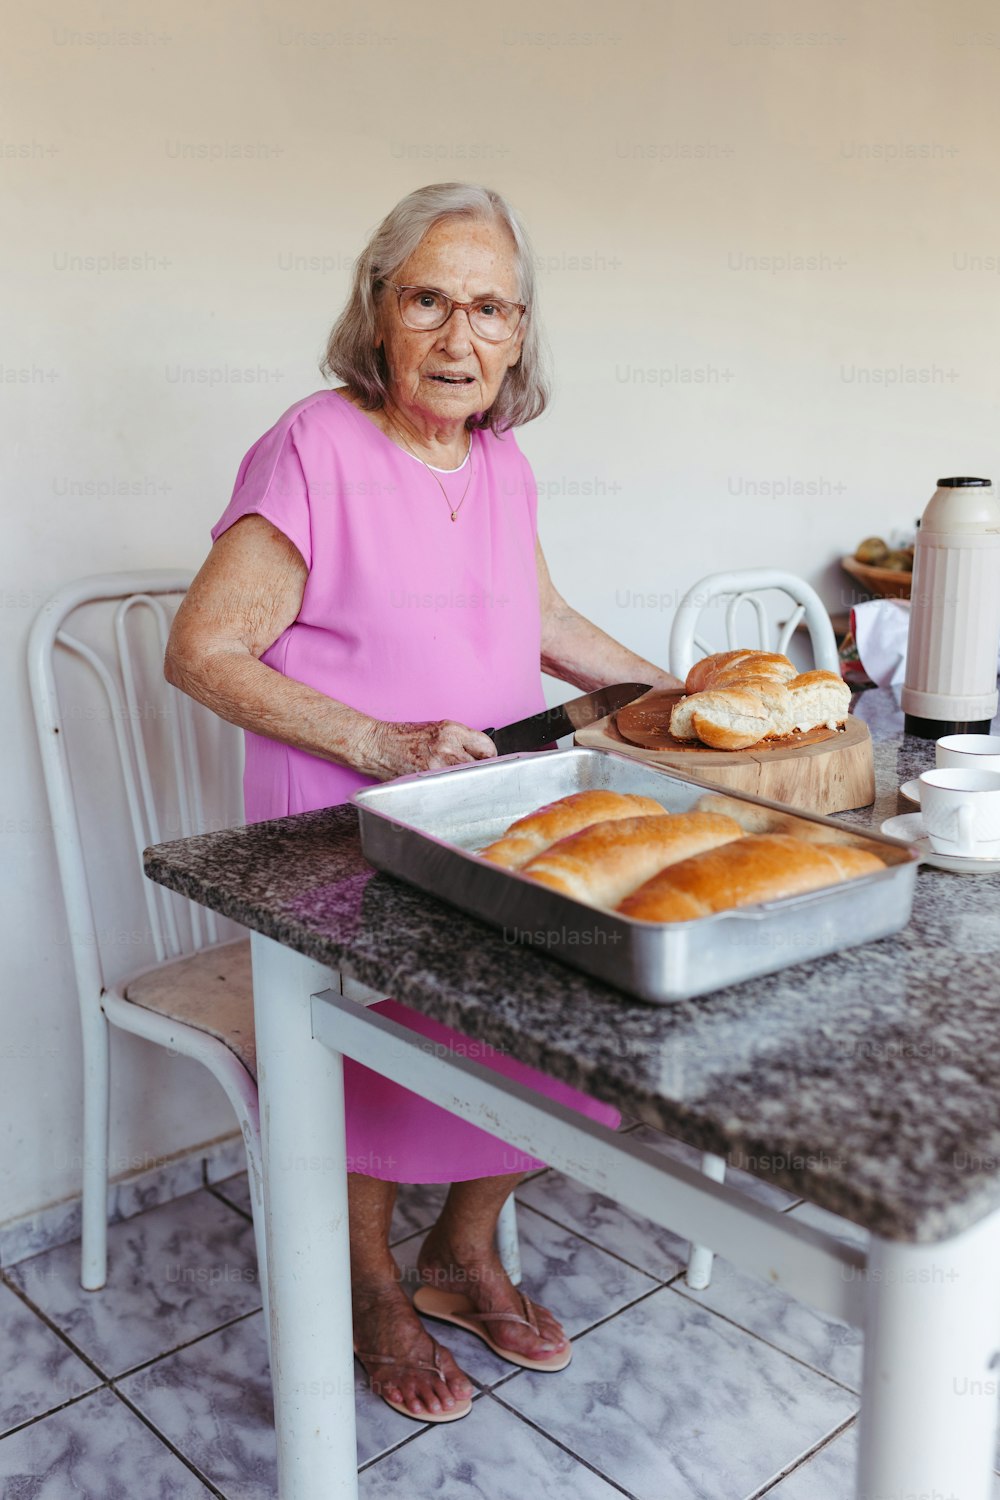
872 551
899 561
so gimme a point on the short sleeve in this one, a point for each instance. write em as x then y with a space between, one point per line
272 483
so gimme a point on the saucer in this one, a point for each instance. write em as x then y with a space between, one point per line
910 828
911 790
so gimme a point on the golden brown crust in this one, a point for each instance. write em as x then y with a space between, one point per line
717 711
697 678
534 832
745 872
602 864
817 678
730 666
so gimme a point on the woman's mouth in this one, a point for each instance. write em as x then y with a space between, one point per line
453 379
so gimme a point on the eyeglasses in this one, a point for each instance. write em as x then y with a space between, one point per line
425 308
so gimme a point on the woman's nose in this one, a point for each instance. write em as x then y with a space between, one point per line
456 334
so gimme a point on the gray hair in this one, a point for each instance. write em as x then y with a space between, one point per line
351 353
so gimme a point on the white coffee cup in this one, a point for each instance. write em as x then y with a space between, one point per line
961 811
971 752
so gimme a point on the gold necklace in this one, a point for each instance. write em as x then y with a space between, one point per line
468 455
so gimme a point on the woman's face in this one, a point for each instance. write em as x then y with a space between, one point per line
465 259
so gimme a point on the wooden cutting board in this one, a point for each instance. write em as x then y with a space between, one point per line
823 771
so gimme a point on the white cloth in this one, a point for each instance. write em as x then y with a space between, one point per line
880 630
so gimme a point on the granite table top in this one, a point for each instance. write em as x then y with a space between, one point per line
868 1082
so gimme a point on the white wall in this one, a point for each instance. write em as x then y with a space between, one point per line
662 156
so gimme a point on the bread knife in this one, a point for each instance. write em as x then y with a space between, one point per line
551 724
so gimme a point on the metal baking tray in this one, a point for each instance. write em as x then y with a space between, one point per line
426 828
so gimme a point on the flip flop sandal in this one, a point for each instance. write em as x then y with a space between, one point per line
460 1409
455 1308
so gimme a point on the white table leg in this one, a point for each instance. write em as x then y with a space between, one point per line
929 1389
301 1085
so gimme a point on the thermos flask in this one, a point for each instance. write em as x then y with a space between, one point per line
951 653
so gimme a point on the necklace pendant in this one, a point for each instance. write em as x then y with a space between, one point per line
454 515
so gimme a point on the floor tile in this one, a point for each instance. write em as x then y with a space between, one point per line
642 1243
823 1342
489 1455
30 1235
236 1191
37 1370
96 1447
173 1273
577 1282
226 1159
670 1400
213 1401
828 1476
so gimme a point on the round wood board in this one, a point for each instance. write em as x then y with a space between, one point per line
646 722
824 771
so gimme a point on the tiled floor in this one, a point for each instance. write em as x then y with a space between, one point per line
157 1388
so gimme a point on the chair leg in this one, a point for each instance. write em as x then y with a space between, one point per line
255 1174
700 1257
508 1246
96 1113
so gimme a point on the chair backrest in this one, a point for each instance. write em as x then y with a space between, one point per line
743 589
128 761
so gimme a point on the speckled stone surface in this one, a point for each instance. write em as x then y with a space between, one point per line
868 1081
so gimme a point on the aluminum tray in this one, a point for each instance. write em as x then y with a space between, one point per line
425 829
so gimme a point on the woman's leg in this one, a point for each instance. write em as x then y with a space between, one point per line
384 1321
460 1255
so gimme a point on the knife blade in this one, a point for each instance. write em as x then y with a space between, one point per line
539 730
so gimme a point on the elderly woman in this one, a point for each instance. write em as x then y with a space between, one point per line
375 595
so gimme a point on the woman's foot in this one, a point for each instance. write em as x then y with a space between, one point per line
480 1276
385 1324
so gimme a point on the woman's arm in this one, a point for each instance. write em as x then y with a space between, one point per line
246 595
576 650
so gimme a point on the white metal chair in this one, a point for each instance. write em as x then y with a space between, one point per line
744 587
172 769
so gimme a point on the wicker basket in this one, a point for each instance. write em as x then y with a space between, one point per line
887 582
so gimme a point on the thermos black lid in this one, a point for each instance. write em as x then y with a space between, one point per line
960 483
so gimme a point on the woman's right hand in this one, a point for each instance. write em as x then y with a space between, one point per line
392 749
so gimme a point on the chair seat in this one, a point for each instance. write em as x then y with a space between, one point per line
211 990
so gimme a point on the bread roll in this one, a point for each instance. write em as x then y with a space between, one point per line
713 671
731 718
603 863
749 696
747 871
754 818
725 718
536 831
817 698
698 677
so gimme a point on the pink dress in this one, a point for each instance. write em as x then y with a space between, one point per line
405 616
